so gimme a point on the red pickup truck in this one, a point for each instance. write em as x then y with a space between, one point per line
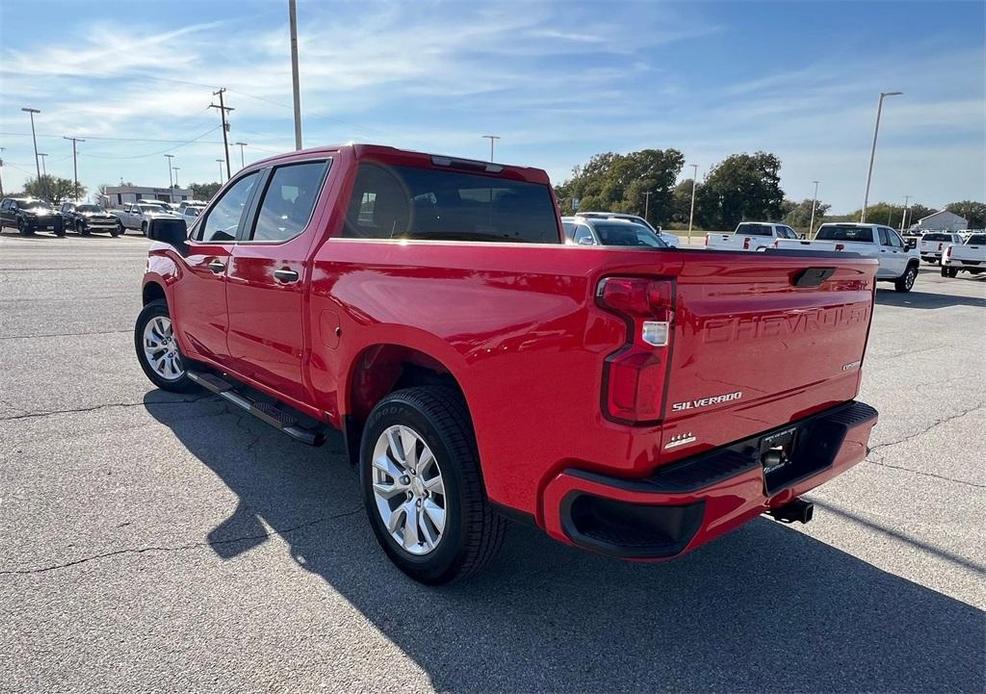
633 401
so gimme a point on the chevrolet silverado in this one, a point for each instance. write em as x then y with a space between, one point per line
480 369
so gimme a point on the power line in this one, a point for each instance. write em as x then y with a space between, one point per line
163 151
105 137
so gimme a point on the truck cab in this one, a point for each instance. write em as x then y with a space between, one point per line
751 236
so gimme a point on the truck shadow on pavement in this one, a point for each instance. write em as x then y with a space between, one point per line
926 300
765 608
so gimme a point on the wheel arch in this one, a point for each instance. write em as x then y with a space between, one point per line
153 291
380 369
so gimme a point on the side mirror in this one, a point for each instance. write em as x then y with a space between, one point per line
173 232
802 236
911 243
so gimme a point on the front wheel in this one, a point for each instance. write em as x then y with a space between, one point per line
905 282
422 486
23 228
119 227
143 228
82 229
157 349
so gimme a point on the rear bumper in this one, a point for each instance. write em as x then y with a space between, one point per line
690 502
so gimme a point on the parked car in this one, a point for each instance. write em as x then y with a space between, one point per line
85 218
668 238
899 262
29 215
969 256
932 244
750 236
609 231
191 210
480 368
138 215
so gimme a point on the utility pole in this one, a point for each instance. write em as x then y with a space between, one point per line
295 82
220 170
691 214
1 171
171 182
647 204
814 202
242 159
869 173
34 137
44 169
223 109
903 217
176 170
492 139
75 163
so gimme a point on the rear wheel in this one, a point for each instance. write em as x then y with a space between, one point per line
422 486
157 349
905 282
949 271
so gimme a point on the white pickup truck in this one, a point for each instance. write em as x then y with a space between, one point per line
969 256
138 215
898 262
933 244
750 236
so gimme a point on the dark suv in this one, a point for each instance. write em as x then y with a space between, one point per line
85 219
29 215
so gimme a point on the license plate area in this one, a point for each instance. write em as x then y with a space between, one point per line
777 449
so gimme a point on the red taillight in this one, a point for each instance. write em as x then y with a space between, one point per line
840 247
746 243
634 376
939 246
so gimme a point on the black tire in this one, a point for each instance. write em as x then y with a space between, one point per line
473 530
143 228
905 282
82 228
178 385
23 228
119 228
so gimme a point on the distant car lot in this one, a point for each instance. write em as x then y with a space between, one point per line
157 544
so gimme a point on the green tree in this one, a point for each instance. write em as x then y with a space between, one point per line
798 215
54 189
742 187
613 182
887 213
974 212
204 191
681 201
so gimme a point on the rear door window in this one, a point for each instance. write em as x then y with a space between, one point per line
938 237
289 201
404 202
754 229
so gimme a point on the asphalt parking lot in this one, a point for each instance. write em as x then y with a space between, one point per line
156 542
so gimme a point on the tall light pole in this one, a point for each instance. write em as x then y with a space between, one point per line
814 202
295 81
1 171
492 139
171 181
44 169
176 169
691 213
242 159
34 137
869 173
647 204
903 217
220 170
75 164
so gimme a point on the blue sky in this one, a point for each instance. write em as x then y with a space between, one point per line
557 81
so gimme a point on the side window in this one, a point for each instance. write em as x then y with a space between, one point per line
583 236
895 239
288 201
224 218
884 239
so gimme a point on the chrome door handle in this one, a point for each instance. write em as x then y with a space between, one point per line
217 266
285 275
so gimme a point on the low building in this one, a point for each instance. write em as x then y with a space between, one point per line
942 220
115 196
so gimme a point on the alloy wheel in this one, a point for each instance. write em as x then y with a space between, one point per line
409 490
161 349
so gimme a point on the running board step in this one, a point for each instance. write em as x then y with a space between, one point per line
270 413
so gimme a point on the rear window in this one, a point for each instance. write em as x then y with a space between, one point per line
937 237
845 233
627 235
977 240
754 229
407 202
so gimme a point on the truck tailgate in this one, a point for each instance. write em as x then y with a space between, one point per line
753 350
